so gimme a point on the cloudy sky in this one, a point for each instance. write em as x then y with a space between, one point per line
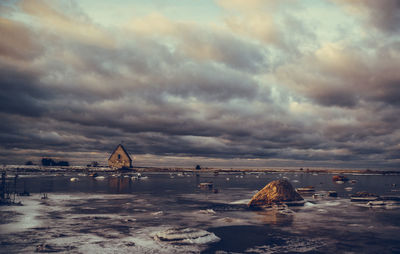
228 83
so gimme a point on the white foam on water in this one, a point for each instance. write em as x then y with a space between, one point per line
240 202
207 211
331 203
158 213
309 204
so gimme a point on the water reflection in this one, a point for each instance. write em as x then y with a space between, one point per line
119 184
276 216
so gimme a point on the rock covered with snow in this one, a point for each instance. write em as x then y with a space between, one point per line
276 192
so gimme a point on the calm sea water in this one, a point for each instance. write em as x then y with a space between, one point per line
121 214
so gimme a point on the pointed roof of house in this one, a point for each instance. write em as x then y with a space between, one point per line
123 148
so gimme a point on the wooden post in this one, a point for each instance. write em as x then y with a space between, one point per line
3 184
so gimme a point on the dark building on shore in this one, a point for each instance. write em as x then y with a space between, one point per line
120 158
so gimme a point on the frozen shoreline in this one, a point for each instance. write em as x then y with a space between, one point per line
168 213
52 169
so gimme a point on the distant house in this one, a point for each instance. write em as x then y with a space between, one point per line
120 158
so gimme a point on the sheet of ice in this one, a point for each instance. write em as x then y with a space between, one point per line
28 218
95 220
186 236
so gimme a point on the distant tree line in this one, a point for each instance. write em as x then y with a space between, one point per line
93 164
51 162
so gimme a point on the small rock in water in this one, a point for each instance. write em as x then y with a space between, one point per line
276 192
363 196
206 186
332 194
339 178
318 195
305 190
46 248
186 236
157 213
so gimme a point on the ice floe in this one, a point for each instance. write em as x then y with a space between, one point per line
186 236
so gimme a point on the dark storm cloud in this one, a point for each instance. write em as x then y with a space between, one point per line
388 93
210 82
21 93
334 97
345 76
224 48
383 14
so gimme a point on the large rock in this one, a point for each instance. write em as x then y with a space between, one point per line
276 192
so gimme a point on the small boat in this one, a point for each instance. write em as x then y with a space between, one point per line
100 178
74 179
